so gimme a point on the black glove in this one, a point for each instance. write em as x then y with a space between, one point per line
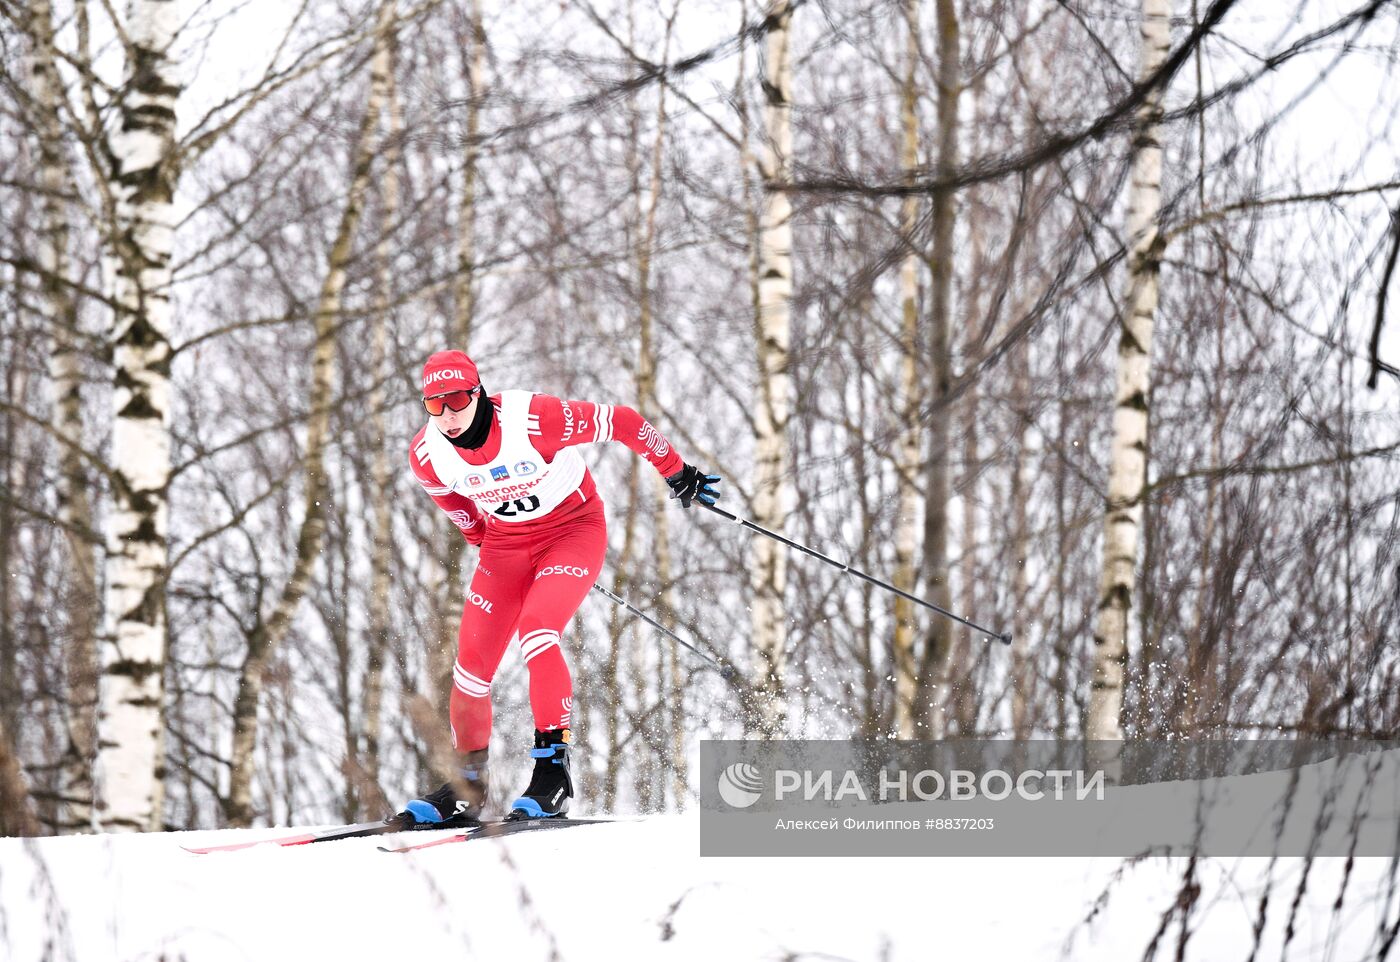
690 483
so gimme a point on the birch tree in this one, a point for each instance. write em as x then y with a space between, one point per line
381 492
464 303
772 482
668 686
937 661
908 463
144 174
268 634
459 334
60 312
1127 472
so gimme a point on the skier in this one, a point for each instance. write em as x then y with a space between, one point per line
504 469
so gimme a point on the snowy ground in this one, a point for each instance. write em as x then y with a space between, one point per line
634 890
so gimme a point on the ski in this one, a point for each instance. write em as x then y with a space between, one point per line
499 827
359 830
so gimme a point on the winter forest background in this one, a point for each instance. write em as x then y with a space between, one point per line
232 232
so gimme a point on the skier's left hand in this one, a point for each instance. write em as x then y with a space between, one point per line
690 483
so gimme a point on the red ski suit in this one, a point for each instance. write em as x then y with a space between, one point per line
542 535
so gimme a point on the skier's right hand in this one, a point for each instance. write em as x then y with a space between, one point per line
690 483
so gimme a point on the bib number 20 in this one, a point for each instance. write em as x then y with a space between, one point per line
509 509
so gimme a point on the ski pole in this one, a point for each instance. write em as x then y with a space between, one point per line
729 672
1004 638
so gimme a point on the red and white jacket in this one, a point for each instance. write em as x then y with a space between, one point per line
525 474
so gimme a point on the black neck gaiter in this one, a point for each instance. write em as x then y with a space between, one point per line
475 434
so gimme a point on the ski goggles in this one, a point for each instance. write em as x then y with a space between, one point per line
454 400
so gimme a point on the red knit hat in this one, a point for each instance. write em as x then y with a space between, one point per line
448 371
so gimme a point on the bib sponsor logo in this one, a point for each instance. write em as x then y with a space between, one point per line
476 480
526 467
448 375
500 473
570 570
479 601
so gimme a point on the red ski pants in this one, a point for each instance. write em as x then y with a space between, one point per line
527 586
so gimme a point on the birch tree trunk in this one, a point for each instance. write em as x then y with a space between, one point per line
130 764
905 666
622 571
1024 700
747 163
1127 473
381 473
465 301
65 369
1060 696
442 650
267 635
772 496
14 477
962 688
9 704
937 652
668 684
1198 645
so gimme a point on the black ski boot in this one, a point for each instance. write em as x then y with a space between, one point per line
446 807
550 786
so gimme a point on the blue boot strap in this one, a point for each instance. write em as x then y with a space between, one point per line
423 812
531 808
